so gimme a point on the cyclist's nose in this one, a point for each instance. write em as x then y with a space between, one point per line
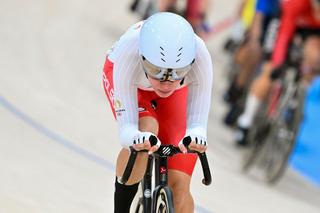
167 85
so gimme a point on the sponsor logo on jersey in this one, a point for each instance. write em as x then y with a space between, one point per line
141 109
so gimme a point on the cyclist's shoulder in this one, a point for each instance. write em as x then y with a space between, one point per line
200 43
132 33
203 61
127 43
201 47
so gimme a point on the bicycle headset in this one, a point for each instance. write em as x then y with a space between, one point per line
167 46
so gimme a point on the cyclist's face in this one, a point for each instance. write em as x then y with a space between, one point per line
164 88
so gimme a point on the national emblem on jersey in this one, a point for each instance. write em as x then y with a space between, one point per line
118 107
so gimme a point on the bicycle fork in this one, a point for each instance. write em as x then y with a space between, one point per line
161 179
146 186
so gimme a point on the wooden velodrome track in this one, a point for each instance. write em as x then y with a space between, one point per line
58 139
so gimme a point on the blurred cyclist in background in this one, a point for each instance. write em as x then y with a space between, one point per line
300 17
158 80
257 43
243 20
194 11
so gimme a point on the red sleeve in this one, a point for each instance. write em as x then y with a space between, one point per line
290 11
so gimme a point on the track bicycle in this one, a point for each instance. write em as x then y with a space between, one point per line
273 136
159 199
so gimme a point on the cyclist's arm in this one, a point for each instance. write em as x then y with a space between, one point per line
199 96
255 30
125 74
290 11
257 22
241 7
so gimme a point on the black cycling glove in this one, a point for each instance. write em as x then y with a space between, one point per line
276 73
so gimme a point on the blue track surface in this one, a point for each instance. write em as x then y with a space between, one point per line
306 156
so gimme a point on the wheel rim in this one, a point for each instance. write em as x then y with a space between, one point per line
162 202
279 146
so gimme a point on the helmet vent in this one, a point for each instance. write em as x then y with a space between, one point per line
162 54
179 54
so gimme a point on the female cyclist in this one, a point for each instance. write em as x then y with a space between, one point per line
158 79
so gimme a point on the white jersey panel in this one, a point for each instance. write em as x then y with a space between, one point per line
126 73
199 87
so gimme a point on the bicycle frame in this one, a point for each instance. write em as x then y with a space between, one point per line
282 91
160 161
274 137
161 180
146 184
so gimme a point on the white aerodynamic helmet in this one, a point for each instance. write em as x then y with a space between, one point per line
167 41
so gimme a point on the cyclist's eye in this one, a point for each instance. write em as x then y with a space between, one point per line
183 71
180 71
151 68
154 70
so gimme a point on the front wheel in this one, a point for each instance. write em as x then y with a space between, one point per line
163 202
282 138
139 208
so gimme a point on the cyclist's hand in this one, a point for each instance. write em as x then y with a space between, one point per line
193 142
198 144
276 73
142 142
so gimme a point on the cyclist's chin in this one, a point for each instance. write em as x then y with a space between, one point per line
164 94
